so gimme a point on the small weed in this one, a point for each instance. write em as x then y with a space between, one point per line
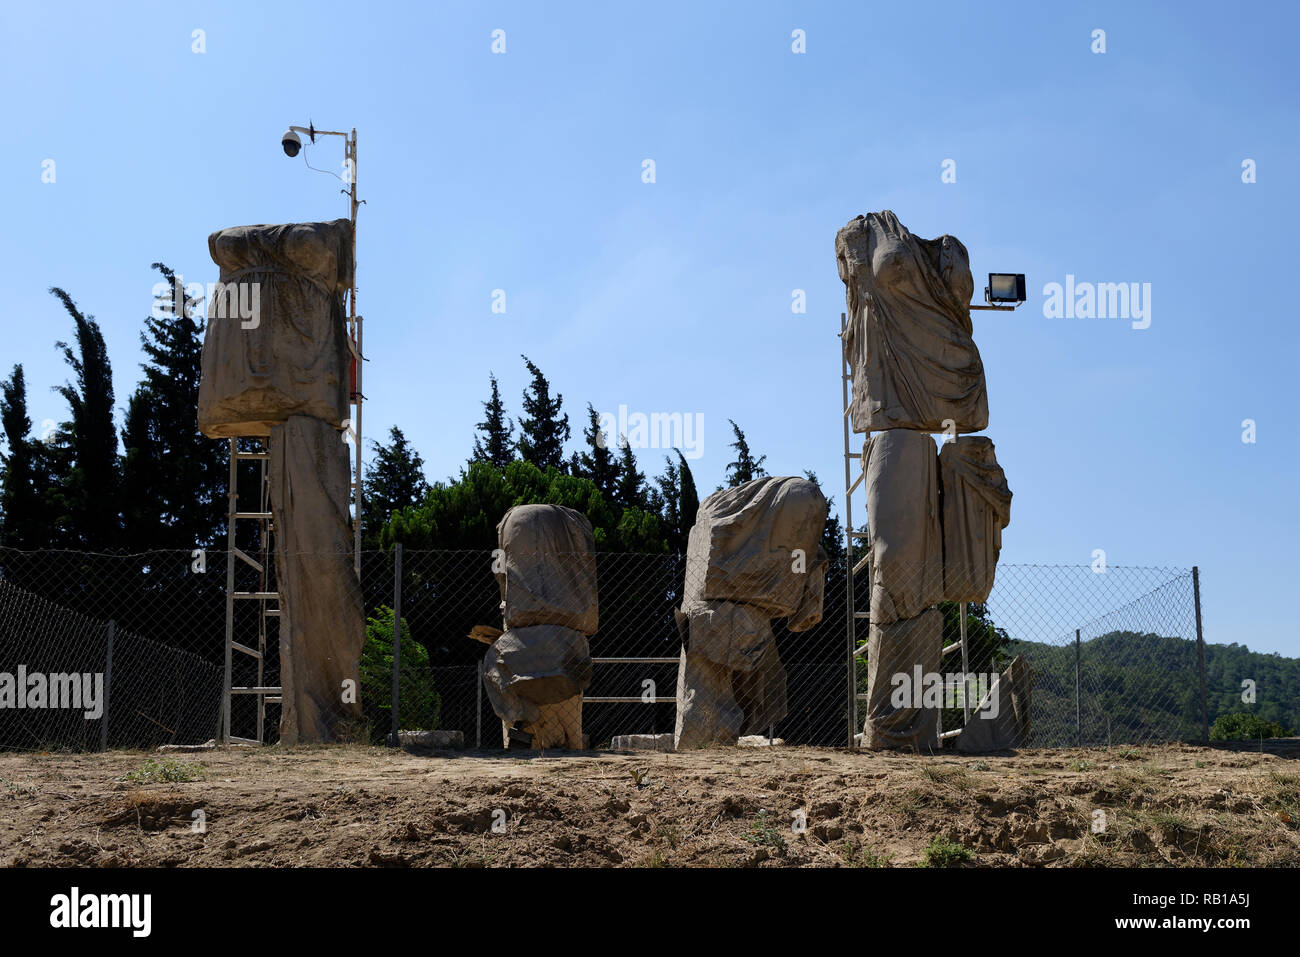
166 772
762 833
669 833
1081 765
946 774
945 853
861 855
13 787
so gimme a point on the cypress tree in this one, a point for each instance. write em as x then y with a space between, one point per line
545 429
22 478
394 480
746 468
87 462
496 446
599 464
173 477
630 492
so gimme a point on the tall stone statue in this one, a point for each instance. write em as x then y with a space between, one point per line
280 370
754 554
934 521
537 669
905 562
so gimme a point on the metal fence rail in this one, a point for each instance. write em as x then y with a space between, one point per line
1114 655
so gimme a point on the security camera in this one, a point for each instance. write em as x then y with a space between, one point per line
291 142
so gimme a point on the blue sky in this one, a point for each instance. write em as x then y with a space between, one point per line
523 172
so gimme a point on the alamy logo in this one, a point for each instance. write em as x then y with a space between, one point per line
658 430
75 909
1103 300
934 690
60 691
228 300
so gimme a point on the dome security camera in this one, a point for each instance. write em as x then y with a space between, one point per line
291 142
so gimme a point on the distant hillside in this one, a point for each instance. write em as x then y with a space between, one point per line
1138 687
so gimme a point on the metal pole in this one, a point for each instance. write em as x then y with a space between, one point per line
356 325
108 686
478 710
1078 711
232 495
851 619
965 667
397 633
1200 654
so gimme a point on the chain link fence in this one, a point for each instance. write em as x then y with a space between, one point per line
1113 655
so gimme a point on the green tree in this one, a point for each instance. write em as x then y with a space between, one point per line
496 445
746 468
832 540
22 472
631 491
599 463
679 501
688 502
1240 726
86 466
545 427
173 477
394 480
419 704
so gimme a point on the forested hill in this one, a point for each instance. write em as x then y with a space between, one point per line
1135 683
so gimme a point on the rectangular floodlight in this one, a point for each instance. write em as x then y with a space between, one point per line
1005 287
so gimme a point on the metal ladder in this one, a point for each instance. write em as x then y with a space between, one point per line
853 616
264 594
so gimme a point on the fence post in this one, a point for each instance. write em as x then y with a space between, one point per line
1078 711
1200 654
108 687
397 635
478 708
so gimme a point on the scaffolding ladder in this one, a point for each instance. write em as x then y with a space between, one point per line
853 648
264 594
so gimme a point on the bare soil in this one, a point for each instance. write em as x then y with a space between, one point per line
353 806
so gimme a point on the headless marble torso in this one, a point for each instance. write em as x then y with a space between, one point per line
908 341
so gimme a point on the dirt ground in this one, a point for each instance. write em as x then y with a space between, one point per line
360 806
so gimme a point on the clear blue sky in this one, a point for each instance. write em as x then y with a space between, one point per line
522 172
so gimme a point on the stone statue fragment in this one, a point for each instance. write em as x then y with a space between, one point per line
908 340
536 671
899 657
753 555
321 622
976 507
289 355
905 542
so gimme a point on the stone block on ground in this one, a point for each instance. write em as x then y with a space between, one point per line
1001 720
642 742
431 739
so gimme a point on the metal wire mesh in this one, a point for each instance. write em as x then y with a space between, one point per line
1135 660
